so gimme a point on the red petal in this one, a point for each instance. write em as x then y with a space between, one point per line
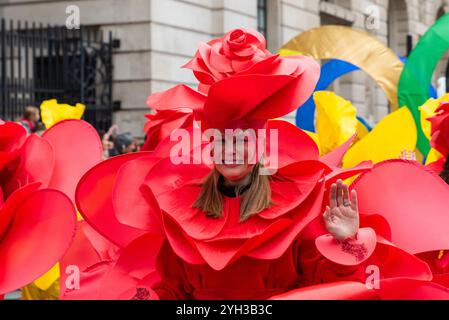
329 247
296 183
378 223
94 200
180 96
272 64
136 261
302 216
396 262
218 61
8 209
335 157
411 199
162 125
330 291
255 38
219 254
343 174
182 244
90 280
248 92
129 192
440 129
42 230
205 79
176 187
80 254
12 136
73 156
411 289
204 51
294 94
437 166
304 148
240 65
105 249
36 164
245 52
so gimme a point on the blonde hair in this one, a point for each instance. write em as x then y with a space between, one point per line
256 198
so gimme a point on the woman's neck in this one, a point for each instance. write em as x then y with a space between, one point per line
233 189
239 183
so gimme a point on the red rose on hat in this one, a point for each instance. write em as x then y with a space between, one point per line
236 51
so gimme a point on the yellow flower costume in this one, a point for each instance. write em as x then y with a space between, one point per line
53 112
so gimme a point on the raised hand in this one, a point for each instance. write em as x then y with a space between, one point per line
341 216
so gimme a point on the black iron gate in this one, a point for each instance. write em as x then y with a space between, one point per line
50 62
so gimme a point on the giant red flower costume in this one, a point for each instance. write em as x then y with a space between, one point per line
165 249
38 176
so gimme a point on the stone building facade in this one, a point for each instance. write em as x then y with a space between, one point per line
158 36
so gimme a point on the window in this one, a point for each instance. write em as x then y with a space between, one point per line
262 17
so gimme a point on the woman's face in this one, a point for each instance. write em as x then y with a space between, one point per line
237 157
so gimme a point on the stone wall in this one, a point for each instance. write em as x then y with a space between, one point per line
159 36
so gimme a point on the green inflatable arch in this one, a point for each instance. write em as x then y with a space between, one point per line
413 89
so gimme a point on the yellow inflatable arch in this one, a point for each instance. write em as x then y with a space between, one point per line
354 46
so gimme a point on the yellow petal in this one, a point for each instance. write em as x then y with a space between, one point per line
32 292
315 138
362 131
288 52
336 120
393 134
53 112
45 281
433 156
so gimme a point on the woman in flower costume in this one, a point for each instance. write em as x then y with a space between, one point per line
186 226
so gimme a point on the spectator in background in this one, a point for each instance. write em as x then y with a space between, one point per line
115 144
39 129
108 141
125 143
30 118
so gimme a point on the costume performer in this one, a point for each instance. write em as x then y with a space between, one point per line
174 223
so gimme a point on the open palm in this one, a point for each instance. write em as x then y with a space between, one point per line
341 216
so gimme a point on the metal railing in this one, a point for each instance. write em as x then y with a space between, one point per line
40 62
